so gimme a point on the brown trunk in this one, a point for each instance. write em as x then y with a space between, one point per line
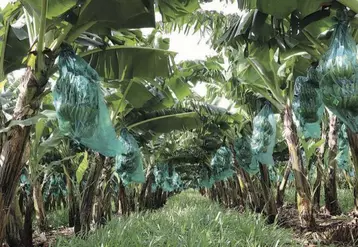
14 227
317 190
251 191
144 190
70 195
240 193
107 207
103 195
39 206
12 150
330 186
27 233
282 186
304 203
353 143
123 201
89 193
240 196
270 204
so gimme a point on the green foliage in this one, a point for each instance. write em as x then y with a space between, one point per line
124 62
58 218
187 220
129 164
13 40
264 136
166 178
343 157
82 168
339 75
55 186
173 9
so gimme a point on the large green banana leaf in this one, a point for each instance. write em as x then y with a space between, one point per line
113 14
123 62
173 9
14 41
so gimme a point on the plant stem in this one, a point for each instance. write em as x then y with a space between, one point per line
40 44
57 42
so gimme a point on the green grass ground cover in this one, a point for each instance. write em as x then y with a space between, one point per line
188 219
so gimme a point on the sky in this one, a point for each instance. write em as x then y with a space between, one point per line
191 47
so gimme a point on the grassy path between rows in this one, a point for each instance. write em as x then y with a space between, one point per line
188 219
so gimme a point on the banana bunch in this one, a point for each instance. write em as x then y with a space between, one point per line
244 155
338 72
205 179
168 182
129 164
80 105
263 136
307 106
222 164
76 97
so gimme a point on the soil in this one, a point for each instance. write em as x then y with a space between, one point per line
339 230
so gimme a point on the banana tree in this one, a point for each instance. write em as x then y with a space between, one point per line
294 36
35 44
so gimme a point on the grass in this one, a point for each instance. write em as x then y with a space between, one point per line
187 219
58 218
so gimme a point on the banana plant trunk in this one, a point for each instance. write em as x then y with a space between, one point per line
304 202
28 229
71 197
89 193
12 150
270 204
320 169
353 143
330 186
39 206
14 228
104 211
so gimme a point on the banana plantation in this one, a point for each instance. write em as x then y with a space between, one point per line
105 141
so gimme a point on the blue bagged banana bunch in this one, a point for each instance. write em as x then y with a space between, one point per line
244 155
338 71
307 105
222 164
83 115
129 164
81 110
263 136
164 180
205 179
